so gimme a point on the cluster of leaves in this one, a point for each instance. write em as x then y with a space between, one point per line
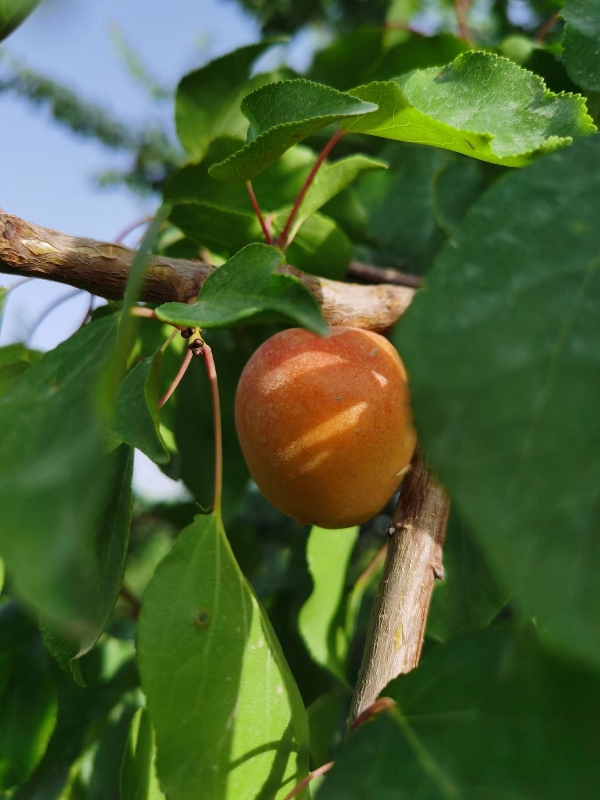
232 678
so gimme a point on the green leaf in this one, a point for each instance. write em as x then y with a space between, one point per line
12 14
401 206
15 359
417 202
277 186
506 399
581 42
207 100
53 477
216 226
324 718
109 549
2 575
475 720
456 187
321 620
110 673
248 286
319 247
469 596
228 716
418 52
99 769
349 59
136 416
27 697
281 115
481 105
138 773
127 323
333 178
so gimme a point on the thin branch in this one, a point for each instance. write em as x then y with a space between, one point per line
371 274
169 339
9 290
283 239
547 27
258 212
88 312
52 307
310 777
371 569
131 599
218 433
102 269
462 10
178 378
130 228
16 285
397 623
143 311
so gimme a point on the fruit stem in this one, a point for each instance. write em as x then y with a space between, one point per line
218 434
178 378
283 239
397 623
258 212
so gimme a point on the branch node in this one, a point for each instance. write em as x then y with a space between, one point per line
196 347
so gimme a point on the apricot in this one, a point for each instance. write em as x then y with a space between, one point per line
325 424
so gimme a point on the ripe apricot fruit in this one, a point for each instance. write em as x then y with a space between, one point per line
325 424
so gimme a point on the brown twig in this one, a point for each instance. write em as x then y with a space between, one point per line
52 307
310 777
131 599
103 269
258 212
283 239
397 623
547 27
370 274
130 228
462 10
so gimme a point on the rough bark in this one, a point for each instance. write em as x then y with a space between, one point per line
103 268
413 562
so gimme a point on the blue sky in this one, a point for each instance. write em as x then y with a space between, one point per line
47 174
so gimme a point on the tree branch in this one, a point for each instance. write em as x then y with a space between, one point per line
370 274
102 269
397 623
